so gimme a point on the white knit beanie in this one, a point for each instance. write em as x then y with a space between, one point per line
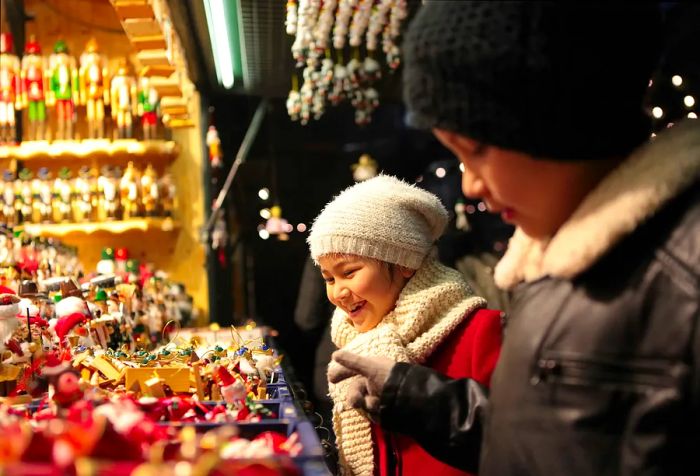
382 218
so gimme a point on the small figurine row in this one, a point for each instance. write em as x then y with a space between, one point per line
89 197
61 82
26 257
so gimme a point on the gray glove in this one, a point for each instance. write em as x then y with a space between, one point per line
364 393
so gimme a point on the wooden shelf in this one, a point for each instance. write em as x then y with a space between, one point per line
75 154
114 227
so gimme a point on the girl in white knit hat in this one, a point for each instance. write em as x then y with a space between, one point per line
374 245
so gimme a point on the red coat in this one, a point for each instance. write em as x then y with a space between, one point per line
470 351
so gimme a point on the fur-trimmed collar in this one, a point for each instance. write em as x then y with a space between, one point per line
628 196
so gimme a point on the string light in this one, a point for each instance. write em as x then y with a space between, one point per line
301 227
692 115
657 112
461 167
481 206
265 213
689 101
264 194
264 234
440 172
676 80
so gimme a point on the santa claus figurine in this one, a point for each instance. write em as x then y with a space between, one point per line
64 385
67 323
232 389
9 307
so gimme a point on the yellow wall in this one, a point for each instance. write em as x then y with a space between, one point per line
188 261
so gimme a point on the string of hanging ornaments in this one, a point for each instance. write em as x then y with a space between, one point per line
319 24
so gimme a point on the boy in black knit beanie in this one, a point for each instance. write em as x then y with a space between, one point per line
542 102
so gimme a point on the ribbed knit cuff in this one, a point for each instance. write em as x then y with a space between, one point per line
388 252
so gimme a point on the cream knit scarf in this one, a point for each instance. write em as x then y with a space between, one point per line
431 305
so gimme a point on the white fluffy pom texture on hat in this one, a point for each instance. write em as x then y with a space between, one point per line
9 311
70 305
382 218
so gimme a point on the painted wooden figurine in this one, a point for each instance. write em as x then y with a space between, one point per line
10 89
148 102
86 194
63 89
94 91
129 192
150 194
33 75
63 191
123 100
108 186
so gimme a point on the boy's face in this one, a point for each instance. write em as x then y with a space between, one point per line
364 288
536 195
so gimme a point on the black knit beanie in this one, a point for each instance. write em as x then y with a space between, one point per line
557 80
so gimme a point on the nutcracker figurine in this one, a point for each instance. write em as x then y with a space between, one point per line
167 195
63 89
123 98
150 193
10 88
108 187
129 192
43 196
148 102
86 194
63 192
24 196
9 213
93 85
34 88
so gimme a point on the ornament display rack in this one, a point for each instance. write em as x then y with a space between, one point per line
75 154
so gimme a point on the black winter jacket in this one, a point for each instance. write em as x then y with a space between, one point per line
599 374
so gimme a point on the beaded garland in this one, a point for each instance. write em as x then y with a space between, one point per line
317 24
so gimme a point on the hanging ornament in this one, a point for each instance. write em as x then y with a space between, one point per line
377 22
352 22
341 83
294 100
398 13
326 76
219 235
371 70
364 169
354 70
323 26
291 21
276 225
462 222
307 96
214 144
342 20
360 20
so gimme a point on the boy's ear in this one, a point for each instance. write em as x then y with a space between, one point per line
448 138
454 141
406 272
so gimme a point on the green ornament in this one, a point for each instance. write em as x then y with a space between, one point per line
60 47
132 266
107 253
100 295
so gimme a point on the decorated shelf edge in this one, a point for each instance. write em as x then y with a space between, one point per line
117 227
89 148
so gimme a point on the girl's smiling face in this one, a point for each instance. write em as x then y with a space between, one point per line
366 289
